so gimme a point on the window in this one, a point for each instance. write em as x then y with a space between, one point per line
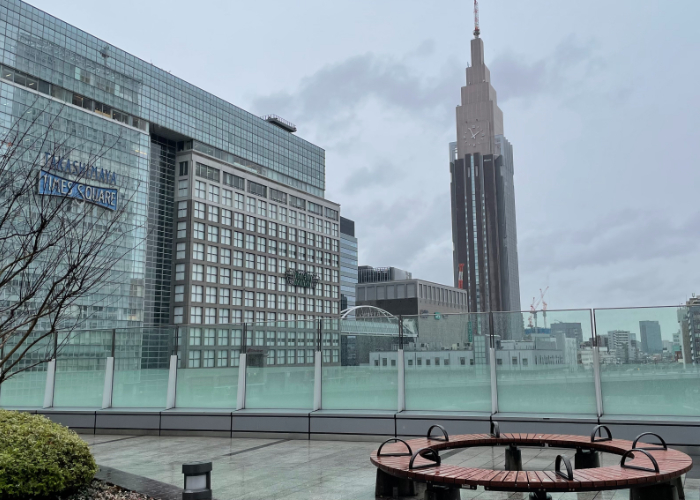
237 297
226 217
179 272
239 199
225 236
198 251
297 202
262 244
213 193
178 313
210 297
262 208
227 198
278 196
249 299
515 360
524 362
181 250
331 214
212 254
250 224
200 190
237 258
335 230
225 276
199 210
315 208
182 229
260 300
209 336
207 172
262 226
273 211
197 272
182 188
272 229
292 234
210 315
235 357
234 181
238 239
179 293
292 218
250 260
181 209
283 214
197 293
238 220
249 242
224 296
196 315
261 281
250 280
257 189
198 230
499 361
211 274
250 205
193 359
213 214
237 278
282 302
222 358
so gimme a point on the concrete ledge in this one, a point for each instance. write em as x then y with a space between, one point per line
352 422
414 423
546 424
195 421
675 433
72 419
111 419
270 422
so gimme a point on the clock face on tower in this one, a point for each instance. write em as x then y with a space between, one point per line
476 133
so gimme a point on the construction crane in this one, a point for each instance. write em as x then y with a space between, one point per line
533 312
544 306
477 31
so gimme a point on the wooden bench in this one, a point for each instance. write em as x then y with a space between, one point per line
650 471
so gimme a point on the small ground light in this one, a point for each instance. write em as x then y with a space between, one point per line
197 481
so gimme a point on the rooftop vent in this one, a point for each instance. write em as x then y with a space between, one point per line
280 122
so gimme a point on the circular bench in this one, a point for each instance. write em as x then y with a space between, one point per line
651 471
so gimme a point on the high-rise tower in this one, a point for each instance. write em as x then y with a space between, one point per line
483 195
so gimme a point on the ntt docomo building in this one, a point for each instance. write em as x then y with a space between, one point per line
230 206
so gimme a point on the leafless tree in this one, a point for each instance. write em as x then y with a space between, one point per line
59 254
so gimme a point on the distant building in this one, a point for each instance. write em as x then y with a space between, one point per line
348 263
689 319
650 333
369 274
411 297
623 345
570 330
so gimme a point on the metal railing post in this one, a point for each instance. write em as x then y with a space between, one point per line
170 401
51 375
242 361
492 366
109 374
318 370
596 368
402 370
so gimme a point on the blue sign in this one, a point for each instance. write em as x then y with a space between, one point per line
53 185
84 170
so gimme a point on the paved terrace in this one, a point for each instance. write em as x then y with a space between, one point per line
266 469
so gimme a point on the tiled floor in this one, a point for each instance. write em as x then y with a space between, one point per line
265 469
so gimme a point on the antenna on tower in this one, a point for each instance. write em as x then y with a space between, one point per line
477 31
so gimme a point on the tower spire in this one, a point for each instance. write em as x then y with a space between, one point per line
477 31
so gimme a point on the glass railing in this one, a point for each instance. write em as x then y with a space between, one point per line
360 361
635 361
280 364
646 360
542 362
446 362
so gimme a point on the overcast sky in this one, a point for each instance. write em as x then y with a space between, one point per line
600 101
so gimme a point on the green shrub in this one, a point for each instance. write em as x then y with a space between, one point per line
39 458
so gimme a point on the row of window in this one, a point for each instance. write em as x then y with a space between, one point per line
261 226
257 189
262 300
214 316
225 276
221 338
252 205
225 358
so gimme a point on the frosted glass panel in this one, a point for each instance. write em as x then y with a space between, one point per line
24 389
544 364
445 359
360 387
145 388
280 364
646 361
207 388
79 388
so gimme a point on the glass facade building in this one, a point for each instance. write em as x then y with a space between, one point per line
204 179
348 263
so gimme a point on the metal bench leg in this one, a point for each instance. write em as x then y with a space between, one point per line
514 459
586 459
664 491
392 486
540 495
440 492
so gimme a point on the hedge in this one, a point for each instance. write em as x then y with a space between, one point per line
39 458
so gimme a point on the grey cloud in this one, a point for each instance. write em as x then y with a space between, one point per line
563 69
367 177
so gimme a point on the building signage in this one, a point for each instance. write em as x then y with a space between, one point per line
53 185
84 170
301 278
